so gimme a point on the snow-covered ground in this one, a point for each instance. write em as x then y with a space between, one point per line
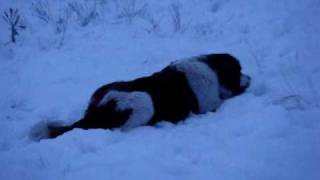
270 132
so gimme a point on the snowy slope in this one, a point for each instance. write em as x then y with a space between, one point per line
270 132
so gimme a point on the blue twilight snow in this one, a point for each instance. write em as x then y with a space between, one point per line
270 132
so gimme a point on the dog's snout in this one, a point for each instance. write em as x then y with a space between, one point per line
245 81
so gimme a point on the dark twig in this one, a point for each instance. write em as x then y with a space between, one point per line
12 18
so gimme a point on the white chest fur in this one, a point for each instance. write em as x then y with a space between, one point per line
203 81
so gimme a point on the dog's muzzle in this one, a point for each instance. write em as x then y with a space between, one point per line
244 84
244 81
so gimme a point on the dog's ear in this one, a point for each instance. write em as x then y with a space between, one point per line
228 70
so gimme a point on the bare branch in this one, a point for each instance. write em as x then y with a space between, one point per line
12 18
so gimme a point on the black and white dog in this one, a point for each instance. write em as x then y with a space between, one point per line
195 85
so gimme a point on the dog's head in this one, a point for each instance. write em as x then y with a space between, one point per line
232 81
238 88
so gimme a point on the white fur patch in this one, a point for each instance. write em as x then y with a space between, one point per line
140 103
203 81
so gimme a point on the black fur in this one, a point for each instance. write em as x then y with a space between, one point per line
171 94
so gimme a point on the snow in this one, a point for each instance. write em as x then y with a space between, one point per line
270 132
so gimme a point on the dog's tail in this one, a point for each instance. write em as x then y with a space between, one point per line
55 131
48 130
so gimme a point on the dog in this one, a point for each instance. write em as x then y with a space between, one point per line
195 85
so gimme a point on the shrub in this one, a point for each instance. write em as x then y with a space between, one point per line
129 9
85 11
12 18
